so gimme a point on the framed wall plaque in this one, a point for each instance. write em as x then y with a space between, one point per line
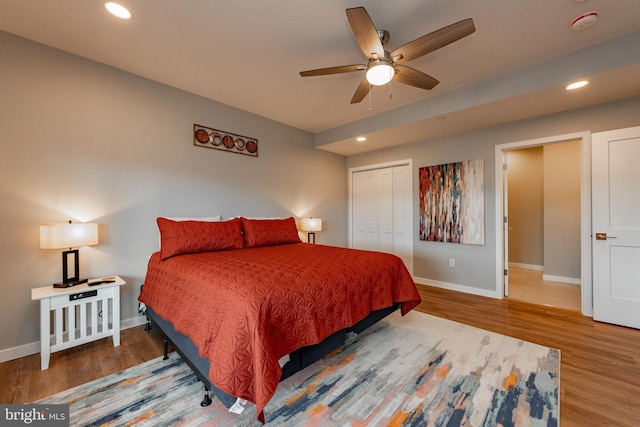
207 137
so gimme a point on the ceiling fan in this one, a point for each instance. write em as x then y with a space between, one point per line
383 66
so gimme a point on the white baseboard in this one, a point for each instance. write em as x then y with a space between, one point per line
19 351
34 347
132 322
570 280
527 266
458 288
561 279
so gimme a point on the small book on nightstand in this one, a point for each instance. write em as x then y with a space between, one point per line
70 284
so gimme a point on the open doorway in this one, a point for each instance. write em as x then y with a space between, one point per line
502 225
543 185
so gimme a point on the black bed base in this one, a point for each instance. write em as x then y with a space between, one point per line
298 360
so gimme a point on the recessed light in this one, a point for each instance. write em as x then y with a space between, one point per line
361 139
577 85
117 10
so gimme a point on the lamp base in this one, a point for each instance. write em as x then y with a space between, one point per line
70 284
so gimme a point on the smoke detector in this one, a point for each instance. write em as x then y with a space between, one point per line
584 21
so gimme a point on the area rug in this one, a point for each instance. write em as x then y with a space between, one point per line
416 370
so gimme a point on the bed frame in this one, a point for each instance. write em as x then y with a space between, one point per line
298 360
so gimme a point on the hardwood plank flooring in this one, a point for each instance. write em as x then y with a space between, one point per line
23 381
599 374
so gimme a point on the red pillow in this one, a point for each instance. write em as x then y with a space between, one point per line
190 237
268 232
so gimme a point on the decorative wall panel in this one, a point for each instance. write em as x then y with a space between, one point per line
226 141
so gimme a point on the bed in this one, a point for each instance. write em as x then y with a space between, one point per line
246 303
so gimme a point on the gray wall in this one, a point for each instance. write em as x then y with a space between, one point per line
475 265
87 142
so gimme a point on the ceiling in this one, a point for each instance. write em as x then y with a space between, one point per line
248 54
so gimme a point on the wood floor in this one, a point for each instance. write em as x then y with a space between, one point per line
23 381
599 374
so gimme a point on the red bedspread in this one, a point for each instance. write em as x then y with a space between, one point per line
245 309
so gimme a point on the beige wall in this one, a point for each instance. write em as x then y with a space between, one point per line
526 206
562 210
83 141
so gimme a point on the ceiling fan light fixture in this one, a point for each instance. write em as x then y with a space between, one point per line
381 64
380 73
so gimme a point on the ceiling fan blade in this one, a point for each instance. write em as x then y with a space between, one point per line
333 70
413 77
361 92
433 41
365 32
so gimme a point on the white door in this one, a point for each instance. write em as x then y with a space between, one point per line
616 226
364 202
402 215
385 211
381 211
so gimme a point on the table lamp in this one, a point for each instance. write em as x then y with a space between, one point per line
71 235
311 225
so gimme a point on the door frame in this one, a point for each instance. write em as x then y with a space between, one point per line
385 165
586 290
505 224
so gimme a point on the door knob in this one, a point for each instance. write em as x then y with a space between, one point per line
603 236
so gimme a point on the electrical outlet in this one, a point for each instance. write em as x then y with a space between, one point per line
452 262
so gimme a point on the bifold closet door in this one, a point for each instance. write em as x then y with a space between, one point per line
366 212
402 215
381 209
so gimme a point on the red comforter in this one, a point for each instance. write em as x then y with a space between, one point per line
245 309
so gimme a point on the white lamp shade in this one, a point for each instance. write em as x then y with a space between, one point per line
311 224
59 236
380 74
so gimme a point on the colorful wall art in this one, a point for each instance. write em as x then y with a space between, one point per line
452 202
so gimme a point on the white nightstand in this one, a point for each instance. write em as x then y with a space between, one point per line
80 314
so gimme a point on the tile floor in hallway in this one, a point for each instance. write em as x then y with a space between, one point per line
527 285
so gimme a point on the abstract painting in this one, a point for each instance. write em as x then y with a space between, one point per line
452 202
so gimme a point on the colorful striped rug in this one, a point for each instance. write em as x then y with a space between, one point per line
417 370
